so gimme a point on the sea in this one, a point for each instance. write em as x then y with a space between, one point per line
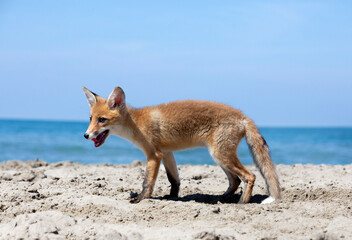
56 141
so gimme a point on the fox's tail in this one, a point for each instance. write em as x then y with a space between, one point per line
261 155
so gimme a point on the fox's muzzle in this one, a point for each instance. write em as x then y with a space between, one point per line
98 137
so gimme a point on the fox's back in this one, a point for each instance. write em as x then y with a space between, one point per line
189 123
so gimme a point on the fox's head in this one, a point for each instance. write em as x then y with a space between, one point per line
105 114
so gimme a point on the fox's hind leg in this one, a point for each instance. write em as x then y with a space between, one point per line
247 177
235 166
172 173
234 182
226 157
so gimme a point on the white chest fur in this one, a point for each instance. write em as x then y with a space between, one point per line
125 133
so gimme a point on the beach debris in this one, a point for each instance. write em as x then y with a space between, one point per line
197 214
198 177
217 210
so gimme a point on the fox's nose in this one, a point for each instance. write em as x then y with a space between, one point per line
86 135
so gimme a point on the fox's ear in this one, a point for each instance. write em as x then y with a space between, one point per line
116 99
91 97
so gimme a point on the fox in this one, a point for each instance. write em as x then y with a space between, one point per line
160 130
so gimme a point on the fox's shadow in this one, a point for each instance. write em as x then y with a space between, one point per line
213 199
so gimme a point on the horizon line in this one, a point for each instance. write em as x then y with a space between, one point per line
86 121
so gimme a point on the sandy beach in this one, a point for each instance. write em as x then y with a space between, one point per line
74 201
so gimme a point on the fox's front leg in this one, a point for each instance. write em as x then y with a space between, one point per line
172 174
153 164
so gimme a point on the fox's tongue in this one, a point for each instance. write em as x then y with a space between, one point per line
100 139
96 142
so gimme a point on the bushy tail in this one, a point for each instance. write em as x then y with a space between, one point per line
261 155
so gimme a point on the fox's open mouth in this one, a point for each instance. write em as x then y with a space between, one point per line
100 139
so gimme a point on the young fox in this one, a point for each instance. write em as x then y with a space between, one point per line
160 130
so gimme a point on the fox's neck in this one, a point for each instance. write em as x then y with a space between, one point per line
131 132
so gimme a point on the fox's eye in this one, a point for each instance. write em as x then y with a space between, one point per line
102 120
90 119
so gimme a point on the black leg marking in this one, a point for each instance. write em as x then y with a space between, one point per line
175 186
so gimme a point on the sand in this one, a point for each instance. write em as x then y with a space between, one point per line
74 201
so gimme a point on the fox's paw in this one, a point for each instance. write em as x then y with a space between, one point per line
135 198
226 197
169 196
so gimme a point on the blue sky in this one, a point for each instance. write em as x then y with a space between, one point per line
283 63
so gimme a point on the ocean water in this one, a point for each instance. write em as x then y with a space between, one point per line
63 141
